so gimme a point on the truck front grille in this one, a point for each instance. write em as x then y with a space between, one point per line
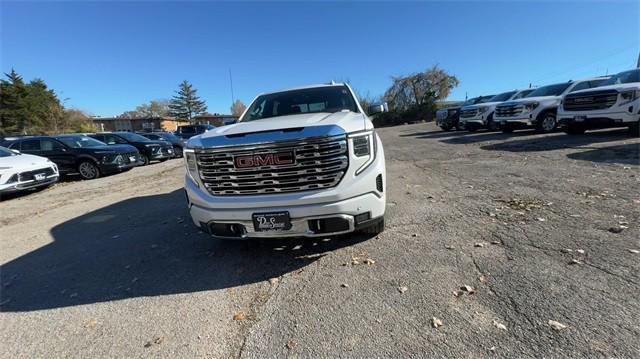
318 163
508 110
30 175
442 114
468 113
595 100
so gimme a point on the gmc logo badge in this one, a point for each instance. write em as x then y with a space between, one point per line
267 159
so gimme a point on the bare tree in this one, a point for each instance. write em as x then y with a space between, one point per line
423 87
237 108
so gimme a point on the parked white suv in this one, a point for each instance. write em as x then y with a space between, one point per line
539 108
478 116
615 104
302 162
19 172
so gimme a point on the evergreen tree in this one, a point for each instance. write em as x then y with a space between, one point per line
12 112
186 103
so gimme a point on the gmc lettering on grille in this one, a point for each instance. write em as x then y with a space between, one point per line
267 159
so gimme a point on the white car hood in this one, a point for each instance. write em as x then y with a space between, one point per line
24 162
484 104
540 99
349 121
619 87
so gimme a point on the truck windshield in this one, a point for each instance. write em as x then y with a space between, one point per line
133 137
550 90
311 100
502 97
80 141
623 78
5 152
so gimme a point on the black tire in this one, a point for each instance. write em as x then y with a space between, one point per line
375 228
178 151
491 124
446 128
634 129
88 170
145 159
472 128
546 122
507 129
459 126
572 129
164 159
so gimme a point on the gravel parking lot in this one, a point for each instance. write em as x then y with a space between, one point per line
489 238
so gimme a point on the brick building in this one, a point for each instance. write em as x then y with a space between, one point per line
137 124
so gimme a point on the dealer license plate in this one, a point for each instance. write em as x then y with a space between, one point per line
580 118
277 221
39 176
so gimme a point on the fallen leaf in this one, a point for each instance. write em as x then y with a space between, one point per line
435 322
634 251
239 316
147 344
158 340
479 244
450 247
557 326
402 289
496 242
617 229
469 289
581 251
291 344
575 261
344 285
482 279
566 250
90 323
369 261
540 219
457 293
499 325
273 281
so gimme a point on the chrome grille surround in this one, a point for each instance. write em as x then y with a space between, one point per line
588 101
508 110
320 162
471 112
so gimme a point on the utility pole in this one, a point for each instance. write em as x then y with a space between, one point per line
231 84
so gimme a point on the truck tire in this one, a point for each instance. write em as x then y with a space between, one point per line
546 122
375 228
145 159
573 129
634 129
88 170
471 128
446 128
507 128
491 124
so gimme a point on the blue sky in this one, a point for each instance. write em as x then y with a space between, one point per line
108 57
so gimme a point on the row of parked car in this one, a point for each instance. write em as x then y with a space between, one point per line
28 162
574 106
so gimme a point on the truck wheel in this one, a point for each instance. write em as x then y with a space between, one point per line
178 151
492 125
88 170
446 128
375 228
574 130
471 128
634 129
145 159
546 123
507 129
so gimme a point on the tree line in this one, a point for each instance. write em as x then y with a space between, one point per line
33 108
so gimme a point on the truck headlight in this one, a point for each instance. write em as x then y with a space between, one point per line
482 109
192 165
364 149
530 106
629 95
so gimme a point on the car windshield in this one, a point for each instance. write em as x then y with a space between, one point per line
502 97
312 100
168 136
80 141
623 78
5 152
132 137
550 90
187 129
484 99
523 93
471 101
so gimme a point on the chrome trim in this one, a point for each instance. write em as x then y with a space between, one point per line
320 162
299 228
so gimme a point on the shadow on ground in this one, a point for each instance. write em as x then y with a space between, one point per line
144 246
558 141
628 154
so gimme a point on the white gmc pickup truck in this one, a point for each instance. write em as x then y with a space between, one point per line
616 103
303 162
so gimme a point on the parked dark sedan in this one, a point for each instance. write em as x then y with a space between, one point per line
79 154
149 150
175 141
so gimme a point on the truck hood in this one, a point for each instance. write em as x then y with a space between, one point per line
24 162
618 87
484 104
540 99
282 128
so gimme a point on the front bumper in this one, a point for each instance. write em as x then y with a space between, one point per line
523 121
21 186
598 119
356 201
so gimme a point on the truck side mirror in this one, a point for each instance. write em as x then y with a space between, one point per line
377 108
